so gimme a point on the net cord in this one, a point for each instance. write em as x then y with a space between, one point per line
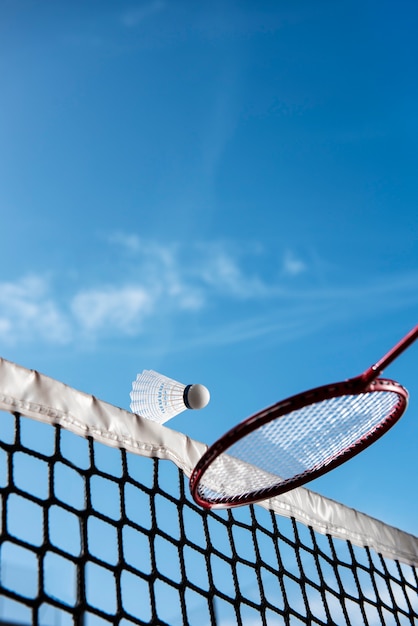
42 398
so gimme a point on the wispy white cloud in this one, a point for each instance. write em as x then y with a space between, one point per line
129 242
114 309
28 309
221 271
135 16
191 274
233 294
292 264
162 271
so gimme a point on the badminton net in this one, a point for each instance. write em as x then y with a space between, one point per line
97 528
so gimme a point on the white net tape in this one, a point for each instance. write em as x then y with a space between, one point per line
47 400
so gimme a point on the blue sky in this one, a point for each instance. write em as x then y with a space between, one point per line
225 192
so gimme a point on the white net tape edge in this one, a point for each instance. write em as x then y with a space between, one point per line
42 398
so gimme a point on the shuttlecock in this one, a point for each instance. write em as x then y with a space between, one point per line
160 398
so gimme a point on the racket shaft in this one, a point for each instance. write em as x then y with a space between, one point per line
374 371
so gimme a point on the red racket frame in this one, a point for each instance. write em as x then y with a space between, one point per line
365 383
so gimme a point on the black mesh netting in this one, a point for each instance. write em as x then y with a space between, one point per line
93 535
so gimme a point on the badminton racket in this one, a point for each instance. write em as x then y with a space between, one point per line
300 438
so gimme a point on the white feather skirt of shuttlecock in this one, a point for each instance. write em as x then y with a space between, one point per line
156 396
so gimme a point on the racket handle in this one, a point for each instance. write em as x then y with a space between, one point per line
374 371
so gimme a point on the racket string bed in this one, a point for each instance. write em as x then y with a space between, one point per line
300 438
303 440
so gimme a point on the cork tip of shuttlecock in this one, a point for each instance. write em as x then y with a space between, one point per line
197 396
